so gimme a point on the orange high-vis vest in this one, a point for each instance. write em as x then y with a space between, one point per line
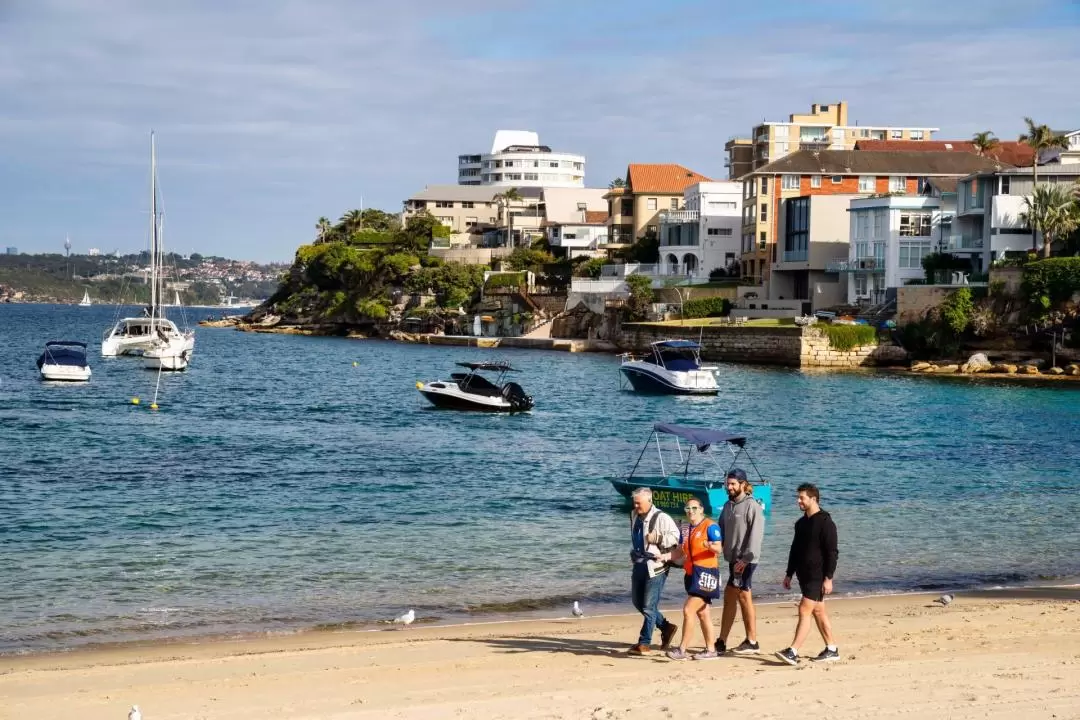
696 548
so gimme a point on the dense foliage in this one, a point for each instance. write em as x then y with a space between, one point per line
1050 281
849 337
641 296
591 268
706 307
956 310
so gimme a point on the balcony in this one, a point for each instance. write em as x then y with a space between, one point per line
814 143
796 256
674 217
959 241
870 265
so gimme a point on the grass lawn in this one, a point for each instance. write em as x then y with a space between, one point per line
708 322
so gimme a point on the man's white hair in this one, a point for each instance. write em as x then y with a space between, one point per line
642 492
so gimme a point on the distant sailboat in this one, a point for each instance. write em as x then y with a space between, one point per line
85 299
176 299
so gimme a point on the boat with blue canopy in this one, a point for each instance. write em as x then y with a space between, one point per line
64 360
678 447
670 367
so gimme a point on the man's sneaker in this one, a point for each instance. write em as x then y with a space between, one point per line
678 654
720 647
667 632
707 655
747 648
827 655
639 649
789 656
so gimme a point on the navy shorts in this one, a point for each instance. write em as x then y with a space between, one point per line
687 581
746 581
812 589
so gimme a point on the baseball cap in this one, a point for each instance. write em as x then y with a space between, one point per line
737 473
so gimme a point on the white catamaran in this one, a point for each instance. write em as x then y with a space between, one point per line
152 335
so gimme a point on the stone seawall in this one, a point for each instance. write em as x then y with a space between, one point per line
788 346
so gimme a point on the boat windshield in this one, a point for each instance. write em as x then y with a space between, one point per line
475 383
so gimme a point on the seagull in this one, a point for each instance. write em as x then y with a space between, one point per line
406 619
134 714
944 600
577 610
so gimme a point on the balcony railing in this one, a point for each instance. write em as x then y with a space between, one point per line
872 265
959 241
672 217
796 255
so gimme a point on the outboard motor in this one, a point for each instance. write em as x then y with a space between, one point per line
515 395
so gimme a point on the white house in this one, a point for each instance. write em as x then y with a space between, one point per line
704 235
574 238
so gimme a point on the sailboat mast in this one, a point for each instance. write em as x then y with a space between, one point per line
153 231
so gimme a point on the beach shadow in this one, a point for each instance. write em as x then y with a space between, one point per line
573 646
1032 593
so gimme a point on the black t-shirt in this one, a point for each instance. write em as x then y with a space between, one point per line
813 549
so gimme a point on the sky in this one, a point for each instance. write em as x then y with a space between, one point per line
271 113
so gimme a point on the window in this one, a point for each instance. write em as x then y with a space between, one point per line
916 134
509 164
866 184
764 186
531 176
446 220
674 203
790 182
570 236
864 133
862 224
780 131
781 149
897 184
879 223
915 225
764 212
896 134
1006 183
553 163
650 204
444 204
723 232
797 229
763 238
513 176
815 181
467 205
911 254
721 205
837 179
470 221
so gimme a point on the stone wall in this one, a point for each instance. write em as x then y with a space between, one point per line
912 301
816 352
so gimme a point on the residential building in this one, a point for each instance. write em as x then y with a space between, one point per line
826 127
517 159
889 238
566 204
703 236
93 252
814 235
12 250
835 172
1007 151
989 205
634 210
1070 155
585 236
458 207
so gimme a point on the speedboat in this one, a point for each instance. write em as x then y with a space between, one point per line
682 444
473 391
671 367
64 360
136 335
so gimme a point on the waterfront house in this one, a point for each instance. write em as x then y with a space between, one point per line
634 210
574 238
703 235
458 207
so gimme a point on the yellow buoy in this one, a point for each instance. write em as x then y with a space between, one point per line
134 401
355 364
419 384
153 406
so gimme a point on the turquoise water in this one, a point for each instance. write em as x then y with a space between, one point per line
279 487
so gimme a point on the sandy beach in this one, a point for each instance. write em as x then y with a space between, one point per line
1005 654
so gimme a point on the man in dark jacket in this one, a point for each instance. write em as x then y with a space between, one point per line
813 561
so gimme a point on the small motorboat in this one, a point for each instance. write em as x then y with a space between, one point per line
64 360
708 483
473 391
671 367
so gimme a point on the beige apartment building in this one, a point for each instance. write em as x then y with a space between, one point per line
458 207
825 127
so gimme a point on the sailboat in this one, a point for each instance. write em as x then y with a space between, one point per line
85 299
176 299
152 335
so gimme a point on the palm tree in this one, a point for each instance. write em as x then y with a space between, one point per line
1040 138
1052 210
352 220
984 142
504 199
324 227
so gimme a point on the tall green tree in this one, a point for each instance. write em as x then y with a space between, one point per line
1053 211
616 183
1040 138
985 142
506 200
324 227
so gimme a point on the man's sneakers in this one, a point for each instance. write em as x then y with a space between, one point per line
720 647
747 648
667 633
789 656
792 658
638 650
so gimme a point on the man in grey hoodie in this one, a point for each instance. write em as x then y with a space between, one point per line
743 525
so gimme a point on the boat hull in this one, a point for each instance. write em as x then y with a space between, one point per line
652 379
671 494
449 396
65 373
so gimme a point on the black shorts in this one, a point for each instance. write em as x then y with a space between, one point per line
812 589
747 576
687 580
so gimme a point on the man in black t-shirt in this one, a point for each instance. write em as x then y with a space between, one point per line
812 560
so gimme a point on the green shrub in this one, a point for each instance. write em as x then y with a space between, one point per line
849 337
706 307
505 280
956 310
1050 281
641 296
591 268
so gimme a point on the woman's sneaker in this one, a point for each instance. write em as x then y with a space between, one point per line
789 656
707 655
827 655
747 648
678 654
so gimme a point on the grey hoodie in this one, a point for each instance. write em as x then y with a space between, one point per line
744 528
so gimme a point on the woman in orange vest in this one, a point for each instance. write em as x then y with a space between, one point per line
699 551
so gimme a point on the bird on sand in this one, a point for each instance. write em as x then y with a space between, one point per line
944 600
576 611
134 714
406 619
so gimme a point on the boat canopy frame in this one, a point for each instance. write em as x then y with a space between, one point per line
475 368
700 439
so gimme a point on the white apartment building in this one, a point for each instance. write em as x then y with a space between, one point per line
517 159
889 238
703 235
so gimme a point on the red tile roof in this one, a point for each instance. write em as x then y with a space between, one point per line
667 178
596 217
1007 151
